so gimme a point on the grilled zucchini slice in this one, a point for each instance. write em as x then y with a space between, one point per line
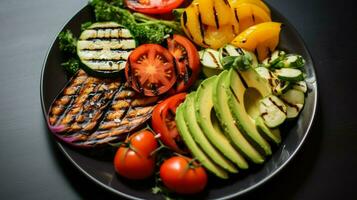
273 111
294 101
104 48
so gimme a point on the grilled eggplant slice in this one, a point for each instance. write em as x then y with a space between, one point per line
93 111
77 110
104 48
128 111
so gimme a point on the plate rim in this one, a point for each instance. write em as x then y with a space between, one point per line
241 192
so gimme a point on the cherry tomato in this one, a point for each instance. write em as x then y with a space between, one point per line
153 6
183 176
150 70
163 122
187 61
133 159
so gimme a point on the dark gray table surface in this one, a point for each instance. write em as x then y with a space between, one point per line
31 166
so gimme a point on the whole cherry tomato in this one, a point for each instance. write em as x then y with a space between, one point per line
133 159
183 175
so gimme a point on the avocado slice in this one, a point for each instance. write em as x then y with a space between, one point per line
220 99
194 148
200 138
209 124
238 103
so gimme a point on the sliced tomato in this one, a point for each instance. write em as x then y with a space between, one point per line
153 6
187 62
163 122
150 70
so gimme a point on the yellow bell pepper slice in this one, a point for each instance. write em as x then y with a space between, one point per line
258 3
249 14
215 12
261 38
191 25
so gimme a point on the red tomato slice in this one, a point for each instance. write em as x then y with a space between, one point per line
187 62
153 6
163 122
150 70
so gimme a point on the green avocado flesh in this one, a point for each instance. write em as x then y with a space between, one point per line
194 148
209 124
200 138
220 99
237 104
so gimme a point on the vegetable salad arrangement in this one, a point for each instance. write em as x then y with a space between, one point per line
184 91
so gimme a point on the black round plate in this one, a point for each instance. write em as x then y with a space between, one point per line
102 172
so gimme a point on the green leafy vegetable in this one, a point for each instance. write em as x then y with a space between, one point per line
242 62
85 25
178 13
67 42
71 66
144 28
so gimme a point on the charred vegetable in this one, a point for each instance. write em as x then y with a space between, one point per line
80 108
104 47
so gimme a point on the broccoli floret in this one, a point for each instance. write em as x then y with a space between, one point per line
71 66
146 29
67 42
118 3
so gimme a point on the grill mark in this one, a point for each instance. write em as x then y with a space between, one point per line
213 58
243 81
202 31
121 49
280 107
95 60
88 49
271 82
225 52
253 17
236 14
263 114
227 3
215 17
107 27
111 39
290 104
240 51
271 74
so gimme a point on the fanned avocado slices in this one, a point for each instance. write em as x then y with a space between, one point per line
199 136
207 120
220 99
194 148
